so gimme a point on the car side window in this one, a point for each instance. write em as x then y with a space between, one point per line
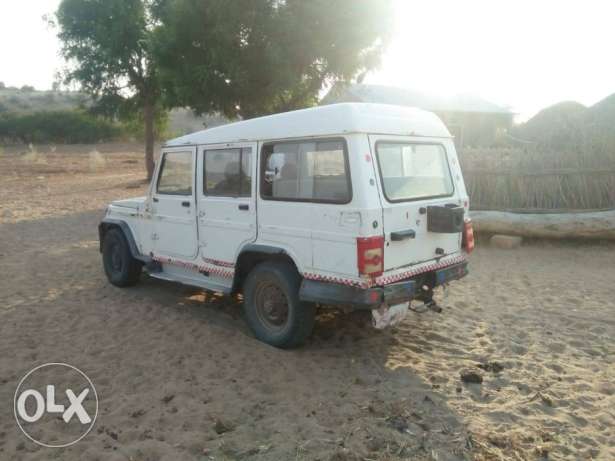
308 171
175 176
228 172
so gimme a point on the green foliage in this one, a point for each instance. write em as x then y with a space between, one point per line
69 127
14 100
110 43
237 57
264 56
134 126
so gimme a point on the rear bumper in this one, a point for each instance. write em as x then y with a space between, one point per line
361 298
370 298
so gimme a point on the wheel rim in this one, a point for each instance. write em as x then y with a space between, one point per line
271 306
116 260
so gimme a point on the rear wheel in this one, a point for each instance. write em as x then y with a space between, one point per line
121 268
272 306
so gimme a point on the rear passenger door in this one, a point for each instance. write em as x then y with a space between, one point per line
226 196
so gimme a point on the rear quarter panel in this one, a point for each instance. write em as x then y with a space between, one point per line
335 228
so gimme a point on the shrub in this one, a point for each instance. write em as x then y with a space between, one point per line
68 127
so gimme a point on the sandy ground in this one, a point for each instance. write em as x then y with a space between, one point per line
180 377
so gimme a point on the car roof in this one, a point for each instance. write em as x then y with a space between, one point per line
329 120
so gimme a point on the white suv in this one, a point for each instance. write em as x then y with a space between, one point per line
356 205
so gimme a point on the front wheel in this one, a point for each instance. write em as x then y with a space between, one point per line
121 268
272 306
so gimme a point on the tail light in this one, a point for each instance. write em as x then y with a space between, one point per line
370 255
468 236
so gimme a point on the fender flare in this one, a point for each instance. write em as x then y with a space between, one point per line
259 248
268 250
125 228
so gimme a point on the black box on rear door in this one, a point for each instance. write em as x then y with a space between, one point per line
445 220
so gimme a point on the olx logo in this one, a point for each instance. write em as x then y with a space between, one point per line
55 405
50 405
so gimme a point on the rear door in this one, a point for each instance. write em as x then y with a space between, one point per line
227 208
414 173
173 205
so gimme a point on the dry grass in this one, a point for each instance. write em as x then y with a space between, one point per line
531 179
97 161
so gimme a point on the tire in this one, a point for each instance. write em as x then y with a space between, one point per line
121 268
266 290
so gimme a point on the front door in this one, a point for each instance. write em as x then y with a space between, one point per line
174 207
227 206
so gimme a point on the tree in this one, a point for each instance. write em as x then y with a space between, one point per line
239 57
249 58
108 44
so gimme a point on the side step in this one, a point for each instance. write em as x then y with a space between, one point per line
153 267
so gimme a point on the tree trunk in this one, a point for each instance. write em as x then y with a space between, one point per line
148 118
584 225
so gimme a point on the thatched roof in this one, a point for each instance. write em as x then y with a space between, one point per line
570 125
359 92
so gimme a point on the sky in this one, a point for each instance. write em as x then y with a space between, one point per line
525 54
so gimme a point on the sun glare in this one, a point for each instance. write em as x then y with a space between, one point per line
524 54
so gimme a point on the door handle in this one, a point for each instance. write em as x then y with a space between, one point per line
155 199
243 206
403 235
186 204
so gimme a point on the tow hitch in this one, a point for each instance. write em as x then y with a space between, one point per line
387 316
429 304
426 306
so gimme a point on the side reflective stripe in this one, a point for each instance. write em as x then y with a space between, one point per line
227 273
225 269
217 262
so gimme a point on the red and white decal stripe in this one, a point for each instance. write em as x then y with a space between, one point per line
227 270
388 279
217 262
230 273
338 280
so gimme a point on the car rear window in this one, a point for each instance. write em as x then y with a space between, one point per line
412 171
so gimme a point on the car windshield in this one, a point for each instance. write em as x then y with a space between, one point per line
413 171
